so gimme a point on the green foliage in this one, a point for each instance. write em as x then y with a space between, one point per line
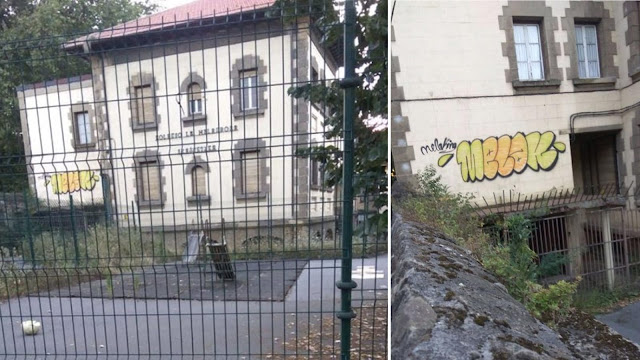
597 300
450 213
551 265
370 151
104 247
552 304
30 43
515 264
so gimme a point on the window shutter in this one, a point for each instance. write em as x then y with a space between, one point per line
195 92
198 181
83 129
145 105
250 173
150 181
249 84
587 50
528 51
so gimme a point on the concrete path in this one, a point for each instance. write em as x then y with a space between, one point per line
625 321
157 329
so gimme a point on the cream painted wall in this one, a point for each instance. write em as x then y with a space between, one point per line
452 74
48 112
274 127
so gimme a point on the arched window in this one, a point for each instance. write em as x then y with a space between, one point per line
198 181
194 97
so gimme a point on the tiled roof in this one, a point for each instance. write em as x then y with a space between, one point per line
194 11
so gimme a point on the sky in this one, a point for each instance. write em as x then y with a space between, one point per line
168 4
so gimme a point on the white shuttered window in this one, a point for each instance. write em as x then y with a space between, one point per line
528 51
83 128
250 172
249 90
587 48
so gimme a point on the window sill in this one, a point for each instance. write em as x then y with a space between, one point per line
248 113
537 86
250 196
198 199
146 127
85 147
606 83
150 203
194 118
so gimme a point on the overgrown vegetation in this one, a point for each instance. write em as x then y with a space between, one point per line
277 248
508 257
60 260
450 213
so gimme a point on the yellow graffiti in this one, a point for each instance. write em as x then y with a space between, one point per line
72 181
503 156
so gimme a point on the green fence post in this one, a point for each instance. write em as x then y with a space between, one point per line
73 231
28 225
349 83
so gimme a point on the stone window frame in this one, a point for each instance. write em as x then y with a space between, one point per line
188 171
248 63
535 12
591 13
191 78
79 108
631 11
248 145
137 80
147 156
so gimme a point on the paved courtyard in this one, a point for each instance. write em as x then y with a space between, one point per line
86 327
625 321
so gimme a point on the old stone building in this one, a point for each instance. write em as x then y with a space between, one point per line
185 118
517 98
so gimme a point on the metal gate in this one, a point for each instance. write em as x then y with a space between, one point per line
183 187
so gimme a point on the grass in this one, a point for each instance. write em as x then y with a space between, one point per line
599 301
277 249
60 260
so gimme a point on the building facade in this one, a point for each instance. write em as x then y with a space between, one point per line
517 98
184 119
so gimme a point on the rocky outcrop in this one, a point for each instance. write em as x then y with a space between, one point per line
446 306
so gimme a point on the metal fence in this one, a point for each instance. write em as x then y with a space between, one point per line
601 245
177 198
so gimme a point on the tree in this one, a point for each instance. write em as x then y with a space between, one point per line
370 126
30 52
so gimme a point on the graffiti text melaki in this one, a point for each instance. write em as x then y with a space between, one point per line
505 155
72 181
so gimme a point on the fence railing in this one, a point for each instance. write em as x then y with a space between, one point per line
600 245
176 196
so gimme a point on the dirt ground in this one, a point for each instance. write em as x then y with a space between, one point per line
321 339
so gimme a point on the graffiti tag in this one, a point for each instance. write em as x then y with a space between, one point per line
72 181
503 156
442 147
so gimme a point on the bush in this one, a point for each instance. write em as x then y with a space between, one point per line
437 207
552 304
515 264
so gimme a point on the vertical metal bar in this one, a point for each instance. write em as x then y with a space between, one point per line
73 232
349 83
28 226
